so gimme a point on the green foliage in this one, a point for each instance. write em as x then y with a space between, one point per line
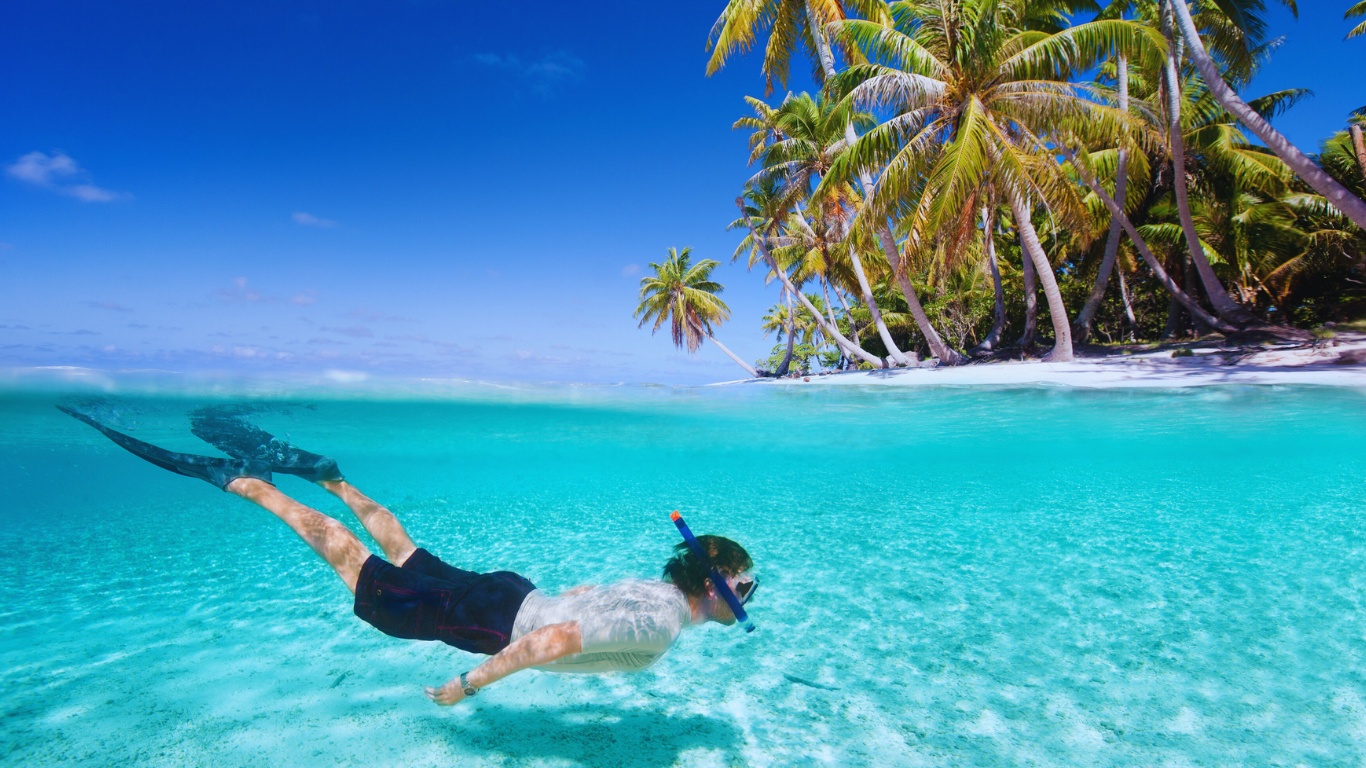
683 295
973 99
805 357
1356 11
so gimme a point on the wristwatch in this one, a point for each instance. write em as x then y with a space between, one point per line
465 685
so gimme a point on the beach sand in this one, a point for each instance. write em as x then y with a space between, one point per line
1340 362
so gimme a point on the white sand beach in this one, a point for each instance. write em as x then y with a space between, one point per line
1339 362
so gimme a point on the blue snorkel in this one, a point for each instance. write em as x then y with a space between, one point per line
722 587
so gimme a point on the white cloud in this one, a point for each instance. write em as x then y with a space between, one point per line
309 220
240 292
630 270
112 306
542 73
59 173
37 168
91 193
354 331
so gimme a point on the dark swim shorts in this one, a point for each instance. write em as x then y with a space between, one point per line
427 599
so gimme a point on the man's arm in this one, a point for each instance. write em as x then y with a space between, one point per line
532 650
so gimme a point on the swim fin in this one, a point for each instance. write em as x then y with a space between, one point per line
230 433
210 469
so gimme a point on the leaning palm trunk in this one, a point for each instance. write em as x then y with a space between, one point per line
1081 328
830 329
1351 206
1223 304
1031 299
787 358
732 355
830 313
853 329
946 354
1176 317
830 309
998 326
1128 306
1193 289
1190 304
867 292
893 351
1359 145
1062 331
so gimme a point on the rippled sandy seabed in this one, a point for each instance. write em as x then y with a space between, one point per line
1034 576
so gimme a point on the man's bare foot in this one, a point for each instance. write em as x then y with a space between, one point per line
247 487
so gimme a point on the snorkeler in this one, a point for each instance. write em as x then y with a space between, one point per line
411 594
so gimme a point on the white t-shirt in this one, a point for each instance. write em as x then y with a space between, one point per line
625 626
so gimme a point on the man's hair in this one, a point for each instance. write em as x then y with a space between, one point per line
686 570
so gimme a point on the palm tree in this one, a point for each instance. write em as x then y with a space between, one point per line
790 164
682 294
801 23
998 325
1358 141
1224 306
1323 183
1253 232
1333 245
760 216
1202 139
808 132
780 319
792 25
977 97
796 325
1083 167
1081 327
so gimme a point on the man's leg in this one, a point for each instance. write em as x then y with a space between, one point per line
234 435
333 541
380 522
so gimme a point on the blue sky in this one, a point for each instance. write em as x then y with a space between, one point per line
425 187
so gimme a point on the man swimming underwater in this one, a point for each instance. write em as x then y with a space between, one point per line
618 627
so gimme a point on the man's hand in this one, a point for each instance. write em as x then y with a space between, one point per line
531 650
448 694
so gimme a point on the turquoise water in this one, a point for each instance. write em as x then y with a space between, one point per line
967 577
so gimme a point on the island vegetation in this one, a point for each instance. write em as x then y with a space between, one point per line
979 179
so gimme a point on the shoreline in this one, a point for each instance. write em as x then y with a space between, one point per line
1336 362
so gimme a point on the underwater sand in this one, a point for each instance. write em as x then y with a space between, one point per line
1032 576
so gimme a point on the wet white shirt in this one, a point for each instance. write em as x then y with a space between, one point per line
625 626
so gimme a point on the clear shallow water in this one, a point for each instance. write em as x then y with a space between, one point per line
1013 577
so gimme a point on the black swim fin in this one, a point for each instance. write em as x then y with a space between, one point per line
227 431
210 469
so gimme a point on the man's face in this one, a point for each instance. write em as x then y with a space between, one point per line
742 586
